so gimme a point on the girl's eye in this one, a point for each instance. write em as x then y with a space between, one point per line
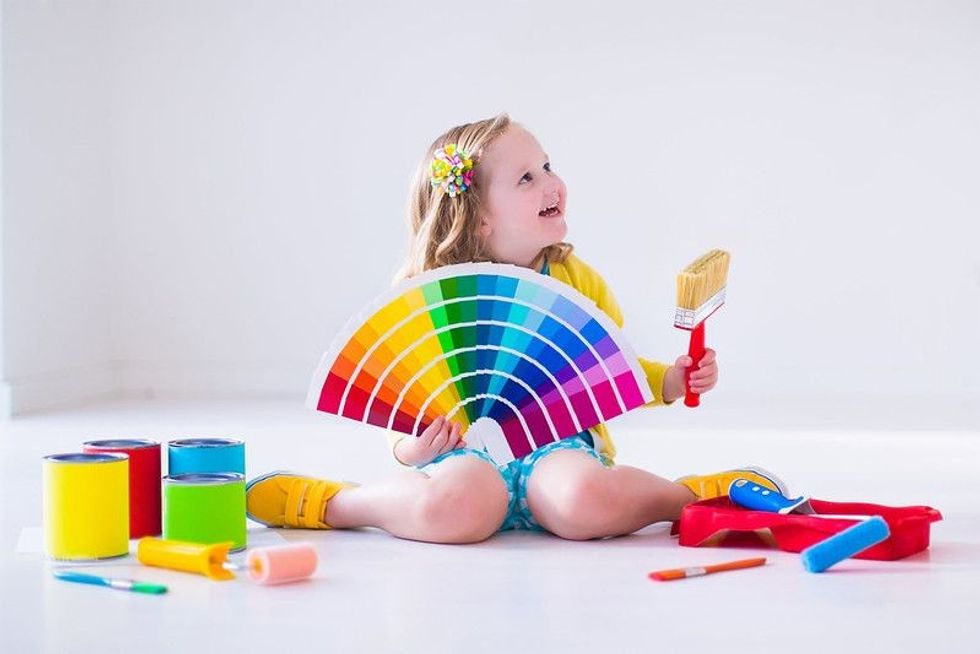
528 177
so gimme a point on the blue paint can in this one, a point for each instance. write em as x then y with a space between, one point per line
204 455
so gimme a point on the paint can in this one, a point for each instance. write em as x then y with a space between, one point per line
86 505
205 507
190 455
144 480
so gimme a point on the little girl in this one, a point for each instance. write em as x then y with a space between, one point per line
508 208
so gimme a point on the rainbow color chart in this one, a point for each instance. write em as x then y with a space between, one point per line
518 358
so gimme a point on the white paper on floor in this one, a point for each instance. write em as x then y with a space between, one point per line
31 543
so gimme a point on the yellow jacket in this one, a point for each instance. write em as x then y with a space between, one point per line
580 276
583 278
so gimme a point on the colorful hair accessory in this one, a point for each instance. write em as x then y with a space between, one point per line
452 170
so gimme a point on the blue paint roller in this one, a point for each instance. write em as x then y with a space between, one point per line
845 544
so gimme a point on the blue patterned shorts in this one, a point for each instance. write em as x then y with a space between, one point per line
516 474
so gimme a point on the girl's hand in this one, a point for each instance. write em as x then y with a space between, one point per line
703 379
438 438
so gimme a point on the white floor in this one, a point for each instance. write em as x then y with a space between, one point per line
518 591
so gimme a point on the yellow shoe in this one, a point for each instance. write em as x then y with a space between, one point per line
709 486
285 499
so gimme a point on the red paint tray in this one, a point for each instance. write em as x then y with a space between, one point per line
720 522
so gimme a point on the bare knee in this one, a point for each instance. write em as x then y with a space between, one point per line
460 513
583 507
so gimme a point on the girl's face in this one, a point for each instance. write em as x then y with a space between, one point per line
523 200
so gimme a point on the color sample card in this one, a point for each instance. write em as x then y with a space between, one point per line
518 358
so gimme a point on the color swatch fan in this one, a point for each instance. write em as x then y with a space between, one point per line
518 358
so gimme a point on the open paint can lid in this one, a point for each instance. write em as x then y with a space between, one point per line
121 444
204 442
204 478
82 457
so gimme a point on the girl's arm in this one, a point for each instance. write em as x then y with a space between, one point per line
583 278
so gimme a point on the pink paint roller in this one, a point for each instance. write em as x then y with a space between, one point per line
265 565
281 564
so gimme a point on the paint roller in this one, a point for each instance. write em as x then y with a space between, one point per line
264 565
844 544
870 531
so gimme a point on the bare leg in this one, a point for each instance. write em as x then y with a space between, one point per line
574 496
464 501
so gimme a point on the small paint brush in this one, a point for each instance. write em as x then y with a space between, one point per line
684 573
119 584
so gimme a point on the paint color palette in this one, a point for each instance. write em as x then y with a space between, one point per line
518 358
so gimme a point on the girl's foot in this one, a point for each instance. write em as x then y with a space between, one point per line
706 487
286 499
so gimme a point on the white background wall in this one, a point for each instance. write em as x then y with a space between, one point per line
197 195
57 259
5 408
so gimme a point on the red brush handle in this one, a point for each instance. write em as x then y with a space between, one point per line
696 352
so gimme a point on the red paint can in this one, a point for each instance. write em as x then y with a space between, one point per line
144 481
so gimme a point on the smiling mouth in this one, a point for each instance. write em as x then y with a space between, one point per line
550 211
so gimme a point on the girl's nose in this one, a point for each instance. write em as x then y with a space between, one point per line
551 191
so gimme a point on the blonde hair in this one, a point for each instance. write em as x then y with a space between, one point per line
445 230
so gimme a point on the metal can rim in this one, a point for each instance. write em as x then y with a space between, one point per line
203 478
205 442
87 457
130 443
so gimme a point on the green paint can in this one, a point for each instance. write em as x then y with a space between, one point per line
205 507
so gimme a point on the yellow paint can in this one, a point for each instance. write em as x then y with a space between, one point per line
86 506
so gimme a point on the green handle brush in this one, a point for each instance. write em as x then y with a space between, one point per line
118 584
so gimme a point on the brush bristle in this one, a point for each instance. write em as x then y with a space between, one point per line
704 277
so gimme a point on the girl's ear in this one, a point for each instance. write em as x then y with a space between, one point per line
485 229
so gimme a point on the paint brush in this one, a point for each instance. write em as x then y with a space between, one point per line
700 292
684 573
118 584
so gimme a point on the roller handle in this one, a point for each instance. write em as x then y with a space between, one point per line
202 559
696 352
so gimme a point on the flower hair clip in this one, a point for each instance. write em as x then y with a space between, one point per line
451 170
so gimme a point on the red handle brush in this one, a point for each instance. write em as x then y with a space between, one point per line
700 292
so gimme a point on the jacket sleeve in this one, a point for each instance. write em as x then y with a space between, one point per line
591 284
